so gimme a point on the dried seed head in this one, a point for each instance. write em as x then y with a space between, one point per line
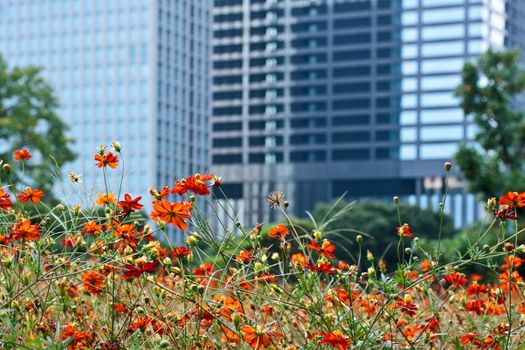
447 166
274 199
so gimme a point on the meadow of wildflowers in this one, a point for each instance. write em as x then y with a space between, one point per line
102 278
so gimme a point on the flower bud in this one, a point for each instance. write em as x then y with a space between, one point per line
77 209
408 250
395 199
161 224
238 224
191 241
176 270
286 204
491 203
508 247
486 248
116 146
369 255
359 238
317 235
193 199
236 318
275 256
6 168
101 149
447 166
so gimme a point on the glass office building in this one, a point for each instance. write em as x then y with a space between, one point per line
135 71
315 98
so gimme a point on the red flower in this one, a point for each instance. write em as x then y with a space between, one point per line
476 306
456 279
129 205
323 267
81 340
198 184
477 289
172 213
69 240
135 272
30 195
326 249
22 154
404 231
93 282
513 199
5 202
108 159
92 228
267 277
406 306
279 231
179 252
505 212
204 270
336 340
244 256
140 323
469 338
256 338
23 230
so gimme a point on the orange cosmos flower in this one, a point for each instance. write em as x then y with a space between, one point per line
23 230
244 256
22 154
129 205
93 282
198 184
30 195
298 260
404 231
108 159
279 231
172 213
513 199
326 249
5 202
92 228
140 323
106 199
256 338
336 340
456 279
476 306
179 252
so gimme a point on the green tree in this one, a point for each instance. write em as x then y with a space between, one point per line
489 91
28 120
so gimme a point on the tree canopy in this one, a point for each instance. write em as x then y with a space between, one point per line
28 119
490 92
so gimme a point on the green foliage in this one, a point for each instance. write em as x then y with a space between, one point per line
378 221
28 120
488 92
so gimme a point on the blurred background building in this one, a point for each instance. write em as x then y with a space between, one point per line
315 98
135 71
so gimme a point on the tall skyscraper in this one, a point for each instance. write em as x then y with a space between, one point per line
135 71
315 98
